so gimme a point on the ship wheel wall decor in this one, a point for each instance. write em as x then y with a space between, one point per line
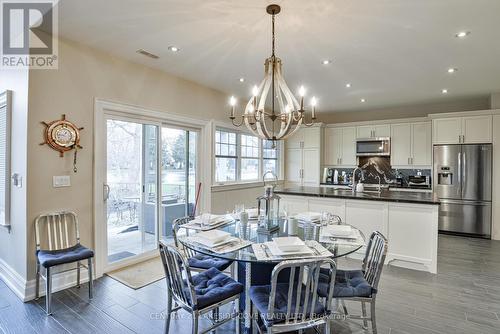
62 136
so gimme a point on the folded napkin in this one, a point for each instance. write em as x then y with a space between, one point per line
214 219
253 213
337 231
309 216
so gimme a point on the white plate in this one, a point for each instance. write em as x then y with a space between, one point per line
309 216
212 237
274 249
289 244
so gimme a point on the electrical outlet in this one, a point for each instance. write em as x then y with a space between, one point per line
61 181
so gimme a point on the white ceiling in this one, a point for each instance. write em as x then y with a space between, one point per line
393 52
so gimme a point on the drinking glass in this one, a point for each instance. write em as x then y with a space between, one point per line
205 220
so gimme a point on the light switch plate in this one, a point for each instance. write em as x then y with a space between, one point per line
61 181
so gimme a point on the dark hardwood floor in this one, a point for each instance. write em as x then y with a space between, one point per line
464 297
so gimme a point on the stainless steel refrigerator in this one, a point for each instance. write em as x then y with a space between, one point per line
462 181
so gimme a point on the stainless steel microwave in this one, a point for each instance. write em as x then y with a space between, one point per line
380 146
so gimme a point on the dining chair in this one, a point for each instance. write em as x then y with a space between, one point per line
197 261
198 294
57 239
282 307
359 285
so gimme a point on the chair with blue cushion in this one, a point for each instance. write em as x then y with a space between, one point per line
359 285
198 261
294 305
198 294
58 243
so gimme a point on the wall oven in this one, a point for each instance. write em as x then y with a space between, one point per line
373 147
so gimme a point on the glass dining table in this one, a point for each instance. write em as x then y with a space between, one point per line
254 233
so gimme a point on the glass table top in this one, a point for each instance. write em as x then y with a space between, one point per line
305 231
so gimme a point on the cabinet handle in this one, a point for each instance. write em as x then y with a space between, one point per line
340 161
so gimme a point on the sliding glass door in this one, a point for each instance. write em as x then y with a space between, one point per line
132 192
179 148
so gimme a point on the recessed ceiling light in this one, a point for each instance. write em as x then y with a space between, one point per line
173 48
348 85
326 61
444 91
242 79
452 70
363 100
462 34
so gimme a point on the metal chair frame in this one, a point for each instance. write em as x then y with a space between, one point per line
308 277
373 263
58 227
181 291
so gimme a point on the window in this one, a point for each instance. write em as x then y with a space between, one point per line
249 158
270 157
226 158
243 157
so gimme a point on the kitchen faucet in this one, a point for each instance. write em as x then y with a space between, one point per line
379 183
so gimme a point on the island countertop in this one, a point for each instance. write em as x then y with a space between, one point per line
385 195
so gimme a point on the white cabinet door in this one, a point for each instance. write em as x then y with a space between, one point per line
332 146
311 167
421 144
293 166
364 131
368 216
477 129
383 130
348 156
312 137
401 144
295 141
294 204
332 205
446 130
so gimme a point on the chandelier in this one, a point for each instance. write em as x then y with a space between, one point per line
280 115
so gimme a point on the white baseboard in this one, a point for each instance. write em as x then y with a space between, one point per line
13 279
25 290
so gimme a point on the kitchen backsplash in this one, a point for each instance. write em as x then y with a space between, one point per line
373 166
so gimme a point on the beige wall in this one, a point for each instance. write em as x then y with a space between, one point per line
495 101
420 110
224 201
83 75
13 245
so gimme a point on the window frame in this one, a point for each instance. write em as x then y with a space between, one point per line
239 157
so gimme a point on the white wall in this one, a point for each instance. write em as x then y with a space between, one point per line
224 201
13 245
495 101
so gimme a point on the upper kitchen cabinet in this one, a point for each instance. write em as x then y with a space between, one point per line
462 130
340 146
373 131
411 144
305 138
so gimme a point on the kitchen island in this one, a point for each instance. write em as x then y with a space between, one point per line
408 219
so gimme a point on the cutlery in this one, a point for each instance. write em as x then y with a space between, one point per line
317 252
229 244
265 248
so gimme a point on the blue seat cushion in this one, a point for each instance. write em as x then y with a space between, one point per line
260 298
211 286
348 283
53 258
202 261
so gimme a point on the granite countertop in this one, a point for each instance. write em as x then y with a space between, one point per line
385 195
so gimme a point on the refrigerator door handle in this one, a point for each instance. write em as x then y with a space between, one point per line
464 170
459 178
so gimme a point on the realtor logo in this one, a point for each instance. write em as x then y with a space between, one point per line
29 34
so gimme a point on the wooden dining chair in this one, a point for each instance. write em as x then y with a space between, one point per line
57 243
293 305
198 294
359 285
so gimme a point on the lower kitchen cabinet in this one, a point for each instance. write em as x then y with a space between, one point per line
412 229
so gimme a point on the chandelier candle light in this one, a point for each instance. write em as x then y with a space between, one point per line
280 117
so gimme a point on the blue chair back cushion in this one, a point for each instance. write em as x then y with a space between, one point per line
78 252
348 283
212 286
202 261
260 298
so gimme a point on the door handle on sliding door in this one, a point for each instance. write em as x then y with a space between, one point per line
106 190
